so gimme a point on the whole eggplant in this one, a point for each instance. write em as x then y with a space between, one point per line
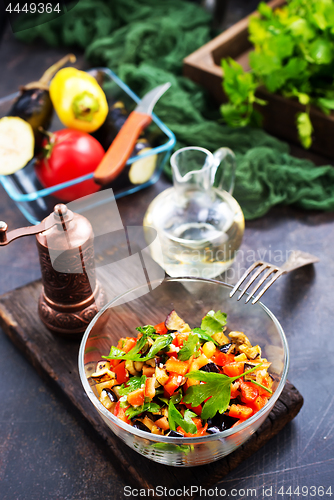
115 120
34 104
35 107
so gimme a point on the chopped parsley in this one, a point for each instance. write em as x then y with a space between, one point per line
133 411
131 385
190 347
217 388
175 419
214 322
134 354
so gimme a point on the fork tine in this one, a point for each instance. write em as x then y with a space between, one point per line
273 279
271 270
244 276
252 279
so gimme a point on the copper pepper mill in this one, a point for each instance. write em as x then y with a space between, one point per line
71 295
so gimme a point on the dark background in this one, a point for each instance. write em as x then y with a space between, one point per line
48 452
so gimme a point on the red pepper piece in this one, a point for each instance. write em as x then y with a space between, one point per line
179 339
161 328
249 392
195 409
222 359
121 373
150 387
176 366
119 412
234 369
136 398
259 403
201 430
240 411
172 383
129 343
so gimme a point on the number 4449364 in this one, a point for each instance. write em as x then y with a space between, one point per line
32 8
306 491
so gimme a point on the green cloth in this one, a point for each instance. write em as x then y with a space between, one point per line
144 42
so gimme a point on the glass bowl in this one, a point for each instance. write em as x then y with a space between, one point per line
192 298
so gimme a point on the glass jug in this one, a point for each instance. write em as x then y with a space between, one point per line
199 224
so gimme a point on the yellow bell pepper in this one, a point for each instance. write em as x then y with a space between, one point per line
78 99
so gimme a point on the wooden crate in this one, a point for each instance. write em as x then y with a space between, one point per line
203 67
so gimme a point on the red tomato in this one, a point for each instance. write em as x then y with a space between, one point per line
72 154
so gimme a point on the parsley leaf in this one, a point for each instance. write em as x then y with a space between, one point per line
146 330
293 55
132 355
217 387
190 347
265 10
123 404
237 83
160 343
214 322
136 410
305 129
323 101
240 88
164 400
204 336
131 385
175 399
175 418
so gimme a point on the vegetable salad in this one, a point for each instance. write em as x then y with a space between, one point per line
177 381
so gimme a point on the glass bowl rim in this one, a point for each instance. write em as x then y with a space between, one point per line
186 440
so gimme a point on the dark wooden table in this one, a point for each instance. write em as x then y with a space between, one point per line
48 452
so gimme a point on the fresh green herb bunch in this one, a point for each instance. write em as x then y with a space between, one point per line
294 55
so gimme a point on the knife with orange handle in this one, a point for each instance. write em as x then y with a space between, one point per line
122 146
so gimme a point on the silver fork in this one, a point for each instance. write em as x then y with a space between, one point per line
295 260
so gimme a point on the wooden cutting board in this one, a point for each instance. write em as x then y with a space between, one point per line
56 360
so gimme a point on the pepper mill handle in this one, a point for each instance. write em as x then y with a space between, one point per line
70 295
61 215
